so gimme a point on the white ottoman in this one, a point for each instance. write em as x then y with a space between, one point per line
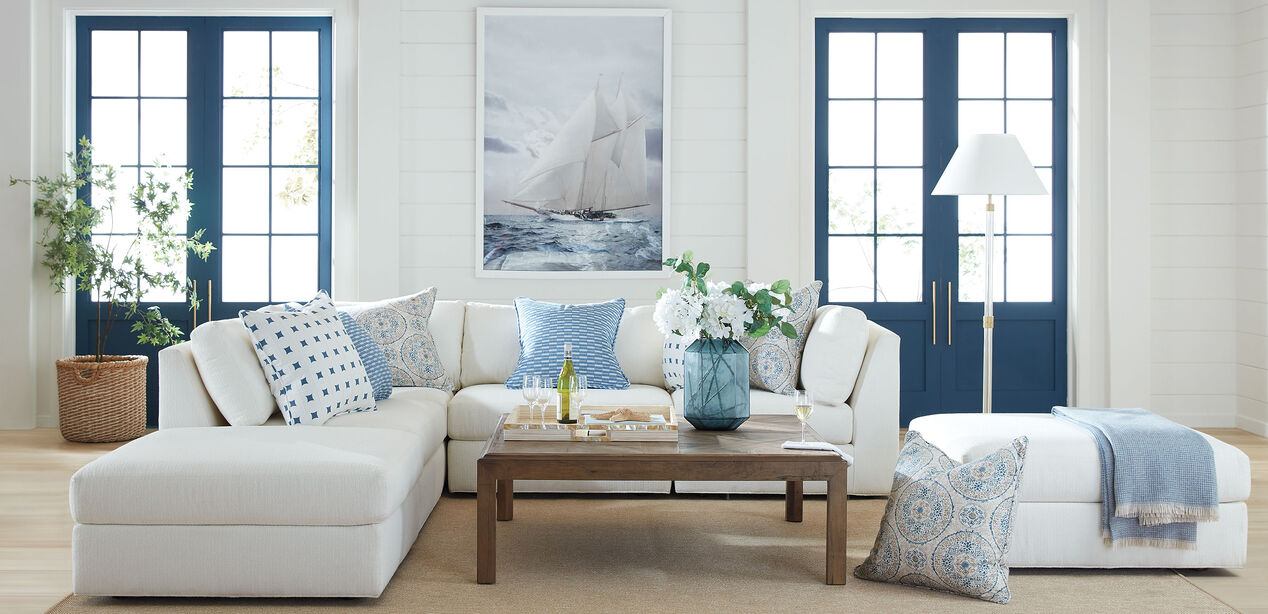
1059 514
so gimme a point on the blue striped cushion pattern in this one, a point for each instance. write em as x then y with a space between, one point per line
590 328
371 356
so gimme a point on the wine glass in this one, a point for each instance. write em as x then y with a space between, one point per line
581 392
531 391
803 405
545 393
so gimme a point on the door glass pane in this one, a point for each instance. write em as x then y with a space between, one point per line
850 262
245 200
981 65
114 63
294 268
981 117
899 133
246 64
900 65
168 265
170 181
163 131
163 63
295 61
1029 65
1032 214
1029 269
119 216
973 269
851 126
898 270
295 200
851 56
850 201
246 132
900 200
294 132
114 131
1031 121
245 262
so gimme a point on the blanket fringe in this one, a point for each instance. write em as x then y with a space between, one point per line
1152 542
1154 514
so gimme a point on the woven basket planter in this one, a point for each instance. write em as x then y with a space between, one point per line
101 401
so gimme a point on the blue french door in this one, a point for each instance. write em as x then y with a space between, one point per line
893 98
243 102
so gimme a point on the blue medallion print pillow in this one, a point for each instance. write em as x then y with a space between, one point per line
590 328
947 525
775 360
402 328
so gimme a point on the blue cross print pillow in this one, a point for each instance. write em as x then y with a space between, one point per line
310 362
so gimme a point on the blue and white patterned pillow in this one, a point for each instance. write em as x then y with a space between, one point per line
310 362
947 526
671 357
371 354
402 328
590 328
774 361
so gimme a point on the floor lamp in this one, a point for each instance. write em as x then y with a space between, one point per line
989 165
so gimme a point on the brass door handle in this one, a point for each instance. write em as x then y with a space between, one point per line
948 313
209 302
933 287
194 324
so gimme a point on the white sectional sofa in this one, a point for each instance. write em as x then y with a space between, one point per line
203 509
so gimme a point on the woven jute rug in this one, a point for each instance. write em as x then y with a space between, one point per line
677 554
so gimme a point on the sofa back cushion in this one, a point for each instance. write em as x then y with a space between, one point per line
231 373
491 349
446 329
834 352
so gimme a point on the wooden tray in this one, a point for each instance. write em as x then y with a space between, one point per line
525 425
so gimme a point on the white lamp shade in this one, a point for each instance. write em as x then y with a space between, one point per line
989 164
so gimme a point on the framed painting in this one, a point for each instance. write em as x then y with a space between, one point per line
572 133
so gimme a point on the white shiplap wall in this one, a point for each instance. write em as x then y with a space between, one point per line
1250 102
1193 194
437 149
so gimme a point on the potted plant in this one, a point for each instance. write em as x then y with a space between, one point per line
715 365
101 397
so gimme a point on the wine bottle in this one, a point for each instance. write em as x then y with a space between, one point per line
567 383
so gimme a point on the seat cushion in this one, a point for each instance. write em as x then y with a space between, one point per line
475 410
416 410
231 373
834 422
284 475
1062 463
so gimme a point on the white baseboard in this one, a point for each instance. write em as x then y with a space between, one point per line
1258 427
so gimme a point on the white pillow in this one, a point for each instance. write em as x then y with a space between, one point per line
834 353
638 347
311 365
231 373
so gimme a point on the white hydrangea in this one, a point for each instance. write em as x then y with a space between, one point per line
724 315
678 312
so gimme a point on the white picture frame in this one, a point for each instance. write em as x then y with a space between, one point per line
494 180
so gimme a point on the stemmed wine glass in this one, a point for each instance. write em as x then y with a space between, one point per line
803 405
582 391
532 392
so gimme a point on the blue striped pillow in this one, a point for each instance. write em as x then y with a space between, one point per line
590 328
372 356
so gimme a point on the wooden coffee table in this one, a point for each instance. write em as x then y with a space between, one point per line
751 453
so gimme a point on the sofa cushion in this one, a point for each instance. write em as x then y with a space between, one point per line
638 345
490 344
311 364
446 326
775 360
834 422
230 372
1063 463
400 326
475 410
590 328
416 410
294 475
834 352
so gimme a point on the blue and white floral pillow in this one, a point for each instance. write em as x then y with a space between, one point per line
775 360
402 328
947 526
310 362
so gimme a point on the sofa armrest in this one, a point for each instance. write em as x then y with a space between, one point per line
183 401
875 403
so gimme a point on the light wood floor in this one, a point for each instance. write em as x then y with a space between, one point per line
35 524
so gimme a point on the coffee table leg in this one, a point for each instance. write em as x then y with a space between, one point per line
486 525
506 499
836 529
792 501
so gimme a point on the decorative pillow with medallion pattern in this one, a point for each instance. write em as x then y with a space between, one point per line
774 361
401 327
947 526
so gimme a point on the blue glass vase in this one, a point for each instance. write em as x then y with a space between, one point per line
715 383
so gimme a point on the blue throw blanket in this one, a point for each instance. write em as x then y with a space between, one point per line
1157 477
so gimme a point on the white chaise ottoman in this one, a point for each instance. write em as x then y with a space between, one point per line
1059 513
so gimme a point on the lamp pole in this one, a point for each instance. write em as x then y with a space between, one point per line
988 307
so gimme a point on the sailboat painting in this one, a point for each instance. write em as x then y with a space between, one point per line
571 177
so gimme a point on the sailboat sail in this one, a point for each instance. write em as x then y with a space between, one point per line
596 163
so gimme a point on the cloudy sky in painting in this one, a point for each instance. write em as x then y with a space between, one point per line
537 71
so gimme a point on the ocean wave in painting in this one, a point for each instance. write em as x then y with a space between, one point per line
538 243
